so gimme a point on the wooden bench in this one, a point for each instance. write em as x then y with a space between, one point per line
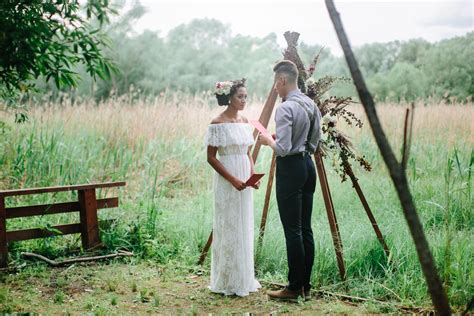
87 205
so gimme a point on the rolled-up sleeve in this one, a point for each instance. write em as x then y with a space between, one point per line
284 121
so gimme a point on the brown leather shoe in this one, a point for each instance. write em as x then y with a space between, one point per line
307 295
286 295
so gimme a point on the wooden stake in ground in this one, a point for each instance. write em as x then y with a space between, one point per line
397 172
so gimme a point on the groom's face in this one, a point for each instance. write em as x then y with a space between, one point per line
279 86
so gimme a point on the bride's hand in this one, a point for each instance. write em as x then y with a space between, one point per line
238 184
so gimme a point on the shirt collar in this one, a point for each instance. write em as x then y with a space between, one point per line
292 93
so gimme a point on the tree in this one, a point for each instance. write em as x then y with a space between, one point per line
377 57
413 51
46 38
449 66
404 82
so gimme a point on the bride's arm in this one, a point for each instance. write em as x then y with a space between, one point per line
252 170
220 169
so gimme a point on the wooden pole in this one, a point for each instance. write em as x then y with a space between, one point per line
266 204
205 250
336 236
371 216
3 234
264 119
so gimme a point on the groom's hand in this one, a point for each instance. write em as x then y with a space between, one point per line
266 140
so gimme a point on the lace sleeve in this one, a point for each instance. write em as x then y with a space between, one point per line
227 134
215 136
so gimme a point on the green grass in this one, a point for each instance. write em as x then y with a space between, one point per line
166 209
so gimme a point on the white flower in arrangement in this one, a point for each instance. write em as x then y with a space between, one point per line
330 123
223 87
329 119
310 81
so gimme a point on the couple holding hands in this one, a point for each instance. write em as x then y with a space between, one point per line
228 140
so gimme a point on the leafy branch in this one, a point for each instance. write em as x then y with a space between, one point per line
47 38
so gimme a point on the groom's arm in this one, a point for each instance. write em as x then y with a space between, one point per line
284 123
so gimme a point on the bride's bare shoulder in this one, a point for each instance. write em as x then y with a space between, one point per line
243 119
218 120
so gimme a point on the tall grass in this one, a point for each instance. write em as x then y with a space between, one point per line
166 208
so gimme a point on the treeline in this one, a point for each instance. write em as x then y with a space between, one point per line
193 56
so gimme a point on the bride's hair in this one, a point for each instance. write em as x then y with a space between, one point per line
224 99
236 84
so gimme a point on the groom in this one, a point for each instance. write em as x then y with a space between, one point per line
297 136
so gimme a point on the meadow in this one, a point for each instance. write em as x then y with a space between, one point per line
165 215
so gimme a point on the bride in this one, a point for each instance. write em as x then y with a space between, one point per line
230 135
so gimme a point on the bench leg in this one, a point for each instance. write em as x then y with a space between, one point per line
3 234
89 221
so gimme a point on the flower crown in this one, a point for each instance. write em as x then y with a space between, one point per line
223 87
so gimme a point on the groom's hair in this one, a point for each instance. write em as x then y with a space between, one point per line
288 68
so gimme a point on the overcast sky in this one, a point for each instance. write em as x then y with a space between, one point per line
365 21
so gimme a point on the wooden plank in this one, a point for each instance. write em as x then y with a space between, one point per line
3 234
34 233
89 221
48 209
62 188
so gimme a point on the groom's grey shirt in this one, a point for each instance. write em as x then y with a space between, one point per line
292 125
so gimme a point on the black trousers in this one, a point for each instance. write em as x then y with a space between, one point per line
295 185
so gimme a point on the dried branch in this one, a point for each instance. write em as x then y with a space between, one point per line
313 65
53 263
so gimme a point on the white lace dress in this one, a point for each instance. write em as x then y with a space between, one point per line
232 259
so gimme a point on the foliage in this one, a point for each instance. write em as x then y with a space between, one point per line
47 38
